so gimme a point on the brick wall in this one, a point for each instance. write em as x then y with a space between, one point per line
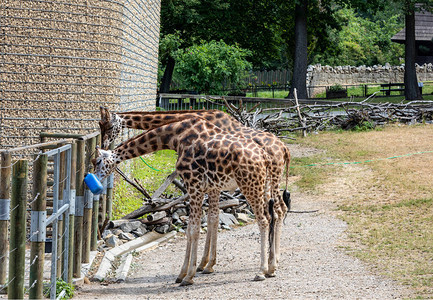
61 60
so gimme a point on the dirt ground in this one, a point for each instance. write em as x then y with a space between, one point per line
313 261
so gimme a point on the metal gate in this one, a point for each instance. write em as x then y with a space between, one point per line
61 209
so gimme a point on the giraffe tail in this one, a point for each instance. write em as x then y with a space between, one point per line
286 194
272 222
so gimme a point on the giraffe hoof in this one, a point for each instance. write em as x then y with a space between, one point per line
259 278
208 271
199 269
179 280
270 275
186 282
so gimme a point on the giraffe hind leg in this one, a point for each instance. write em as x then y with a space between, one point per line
209 253
271 236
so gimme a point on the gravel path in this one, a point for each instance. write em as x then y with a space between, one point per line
313 265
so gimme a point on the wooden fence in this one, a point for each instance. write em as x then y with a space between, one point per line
57 196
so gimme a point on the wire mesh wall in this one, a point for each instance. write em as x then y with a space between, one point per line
61 60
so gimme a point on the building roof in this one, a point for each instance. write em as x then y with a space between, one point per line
423 28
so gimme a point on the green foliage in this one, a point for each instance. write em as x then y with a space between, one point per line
168 44
364 126
126 198
363 40
60 286
206 66
336 88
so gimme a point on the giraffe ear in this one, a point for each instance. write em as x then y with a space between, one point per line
98 153
105 114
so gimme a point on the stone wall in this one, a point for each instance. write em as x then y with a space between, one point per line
319 77
62 60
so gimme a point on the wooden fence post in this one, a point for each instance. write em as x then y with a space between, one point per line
72 211
5 187
39 206
79 208
95 212
88 203
17 249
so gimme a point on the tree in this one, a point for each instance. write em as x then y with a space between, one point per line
206 66
251 24
411 89
299 78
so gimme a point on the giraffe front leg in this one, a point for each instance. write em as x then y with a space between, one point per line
193 233
184 269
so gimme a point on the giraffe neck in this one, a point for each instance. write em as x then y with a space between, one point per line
169 136
117 119
149 120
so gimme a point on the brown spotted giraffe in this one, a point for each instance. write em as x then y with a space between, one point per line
112 123
209 160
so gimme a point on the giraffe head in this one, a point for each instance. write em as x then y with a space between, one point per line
111 125
104 163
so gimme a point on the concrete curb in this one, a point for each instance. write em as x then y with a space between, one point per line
146 242
122 271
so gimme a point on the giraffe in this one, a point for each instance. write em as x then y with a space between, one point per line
209 160
112 123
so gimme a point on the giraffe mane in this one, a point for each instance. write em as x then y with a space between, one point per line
170 112
168 123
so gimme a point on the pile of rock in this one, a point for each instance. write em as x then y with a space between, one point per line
124 230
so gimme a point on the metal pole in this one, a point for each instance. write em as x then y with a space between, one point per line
66 215
17 250
110 184
5 188
55 236
72 174
60 222
39 214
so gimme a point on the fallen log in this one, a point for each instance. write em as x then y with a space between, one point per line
156 216
157 222
228 203
164 186
148 208
117 223
138 186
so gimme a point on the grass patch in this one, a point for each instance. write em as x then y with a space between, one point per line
309 178
390 212
398 238
126 198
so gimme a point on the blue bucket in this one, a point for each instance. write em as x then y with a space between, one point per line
93 183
